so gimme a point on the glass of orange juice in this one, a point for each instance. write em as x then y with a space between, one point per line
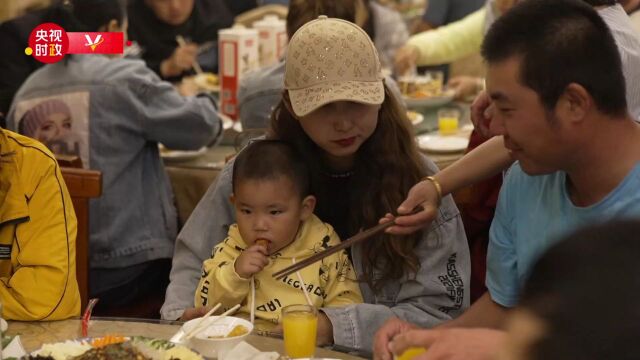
299 325
410 353
448 121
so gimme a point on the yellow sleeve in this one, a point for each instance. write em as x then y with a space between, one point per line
44 285
451 42
220 283
343 288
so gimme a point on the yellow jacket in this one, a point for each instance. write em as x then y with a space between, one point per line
329 283
37 234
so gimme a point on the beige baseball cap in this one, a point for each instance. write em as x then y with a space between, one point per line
330 60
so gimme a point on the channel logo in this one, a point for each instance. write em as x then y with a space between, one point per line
49 43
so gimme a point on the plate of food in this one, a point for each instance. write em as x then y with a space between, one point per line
437 143
115 347
180 155
415 117
424 91
426 100
207 81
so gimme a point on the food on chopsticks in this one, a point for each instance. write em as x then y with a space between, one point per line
237 330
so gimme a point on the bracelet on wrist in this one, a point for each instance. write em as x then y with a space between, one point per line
436 185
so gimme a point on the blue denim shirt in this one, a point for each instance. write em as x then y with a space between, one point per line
120 110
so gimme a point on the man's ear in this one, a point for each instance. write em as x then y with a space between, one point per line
575 103
308 206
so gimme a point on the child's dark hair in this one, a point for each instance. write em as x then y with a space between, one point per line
268 160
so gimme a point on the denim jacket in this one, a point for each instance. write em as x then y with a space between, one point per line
438 292
117 112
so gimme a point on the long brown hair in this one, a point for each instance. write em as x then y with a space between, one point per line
387 165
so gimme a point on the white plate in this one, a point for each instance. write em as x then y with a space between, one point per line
181 155
442 144
428 102
415 117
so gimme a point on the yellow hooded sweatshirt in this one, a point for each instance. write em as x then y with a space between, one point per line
330 282
37 234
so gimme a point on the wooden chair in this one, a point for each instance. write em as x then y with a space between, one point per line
83 185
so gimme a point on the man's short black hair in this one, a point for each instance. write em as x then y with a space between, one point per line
560 42
269 160
586 291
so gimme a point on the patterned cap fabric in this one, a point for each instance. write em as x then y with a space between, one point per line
331 60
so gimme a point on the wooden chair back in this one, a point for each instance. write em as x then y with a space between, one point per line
82 185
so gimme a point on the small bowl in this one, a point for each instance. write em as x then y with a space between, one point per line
216 347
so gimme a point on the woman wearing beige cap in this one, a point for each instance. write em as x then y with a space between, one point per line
337 112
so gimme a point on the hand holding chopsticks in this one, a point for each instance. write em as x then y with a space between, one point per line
331 250
182 42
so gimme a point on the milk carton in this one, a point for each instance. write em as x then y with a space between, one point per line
273 39
238 54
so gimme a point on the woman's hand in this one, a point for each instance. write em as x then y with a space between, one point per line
385 334
422 194
325 330
465 86
405 59
182 59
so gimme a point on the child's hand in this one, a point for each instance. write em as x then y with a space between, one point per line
251 261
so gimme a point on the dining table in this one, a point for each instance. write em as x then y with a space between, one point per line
34 334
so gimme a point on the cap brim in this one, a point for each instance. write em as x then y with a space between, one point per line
306 100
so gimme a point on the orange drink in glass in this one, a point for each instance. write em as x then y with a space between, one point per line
299 325
448 121
410 353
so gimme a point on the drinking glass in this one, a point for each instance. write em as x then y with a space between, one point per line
448 121
299 325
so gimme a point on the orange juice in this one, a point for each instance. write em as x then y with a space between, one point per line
410 353
299 326
448 125
448 121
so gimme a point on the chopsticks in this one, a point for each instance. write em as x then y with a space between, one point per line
182 42
343 245
201 325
